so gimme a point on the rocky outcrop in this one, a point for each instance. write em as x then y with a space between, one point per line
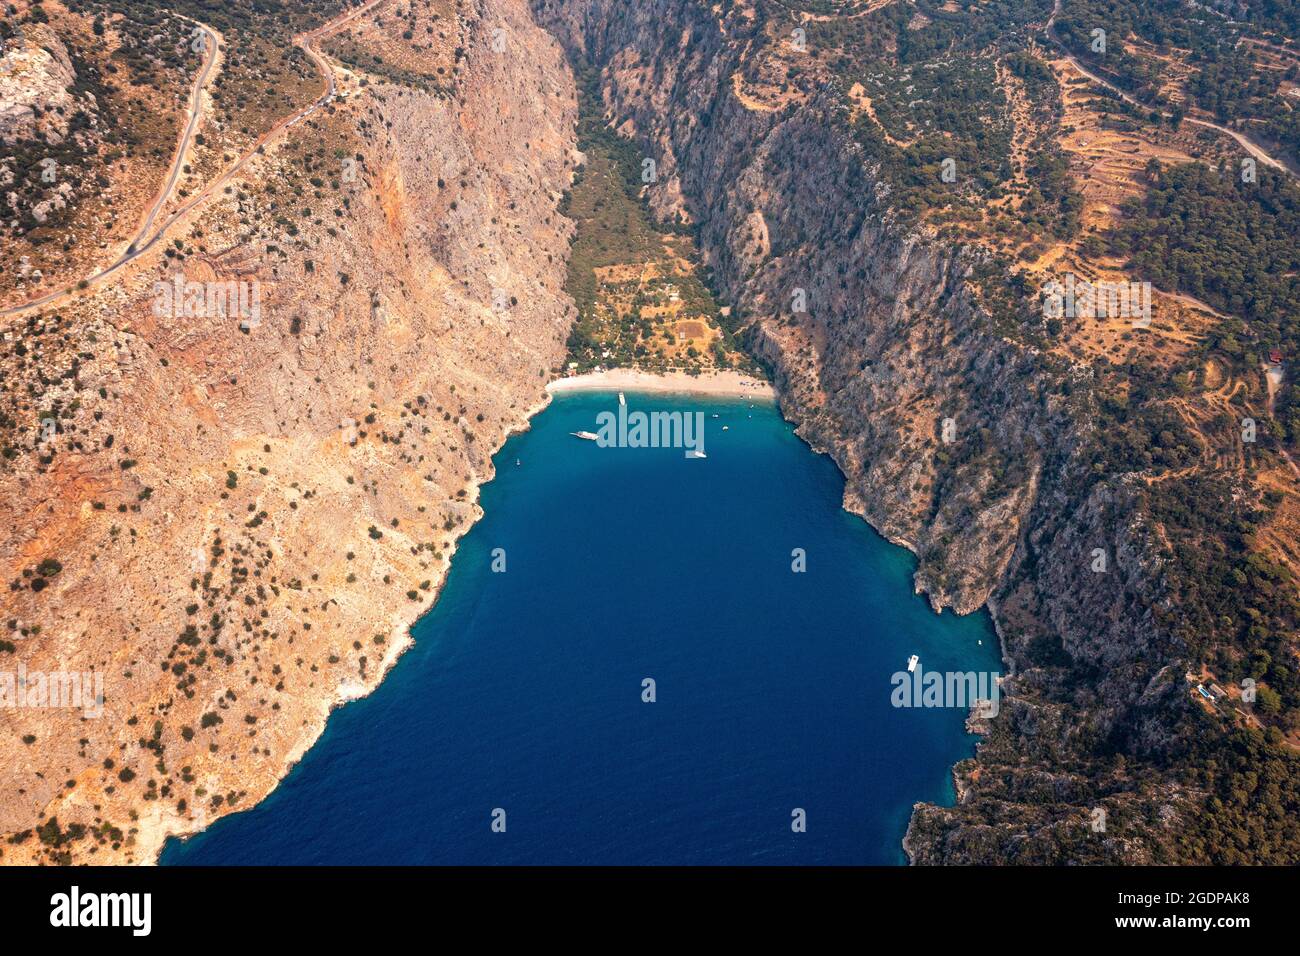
36 80
969 447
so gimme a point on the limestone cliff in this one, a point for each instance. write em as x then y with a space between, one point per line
967 446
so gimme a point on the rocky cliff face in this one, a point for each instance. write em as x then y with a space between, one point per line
36 79
967 447
233 518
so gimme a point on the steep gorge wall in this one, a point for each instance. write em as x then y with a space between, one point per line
893 342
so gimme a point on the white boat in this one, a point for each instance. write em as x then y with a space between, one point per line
621 399
912 662
725 427
589 436
696 454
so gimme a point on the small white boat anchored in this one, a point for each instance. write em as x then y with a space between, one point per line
696 454
621 399
589 436
912 662
725 427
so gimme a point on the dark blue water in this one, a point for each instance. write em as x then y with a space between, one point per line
523 690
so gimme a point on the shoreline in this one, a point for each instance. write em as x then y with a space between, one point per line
726 382
589 383
732 383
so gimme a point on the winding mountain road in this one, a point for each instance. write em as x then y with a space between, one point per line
1244 141
141 244
1251 147
211 45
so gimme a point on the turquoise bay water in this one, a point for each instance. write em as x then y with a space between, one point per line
523 690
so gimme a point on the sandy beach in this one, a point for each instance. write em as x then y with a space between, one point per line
728 382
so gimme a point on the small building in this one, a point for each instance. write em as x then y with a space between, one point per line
1274 356
1218 692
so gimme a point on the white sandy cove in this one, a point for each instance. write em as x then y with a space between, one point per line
726 382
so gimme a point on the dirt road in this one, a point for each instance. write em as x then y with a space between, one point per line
142 244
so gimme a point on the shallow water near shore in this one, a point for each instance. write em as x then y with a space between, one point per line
523 689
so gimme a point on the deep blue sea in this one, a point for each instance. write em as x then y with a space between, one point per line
523 690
